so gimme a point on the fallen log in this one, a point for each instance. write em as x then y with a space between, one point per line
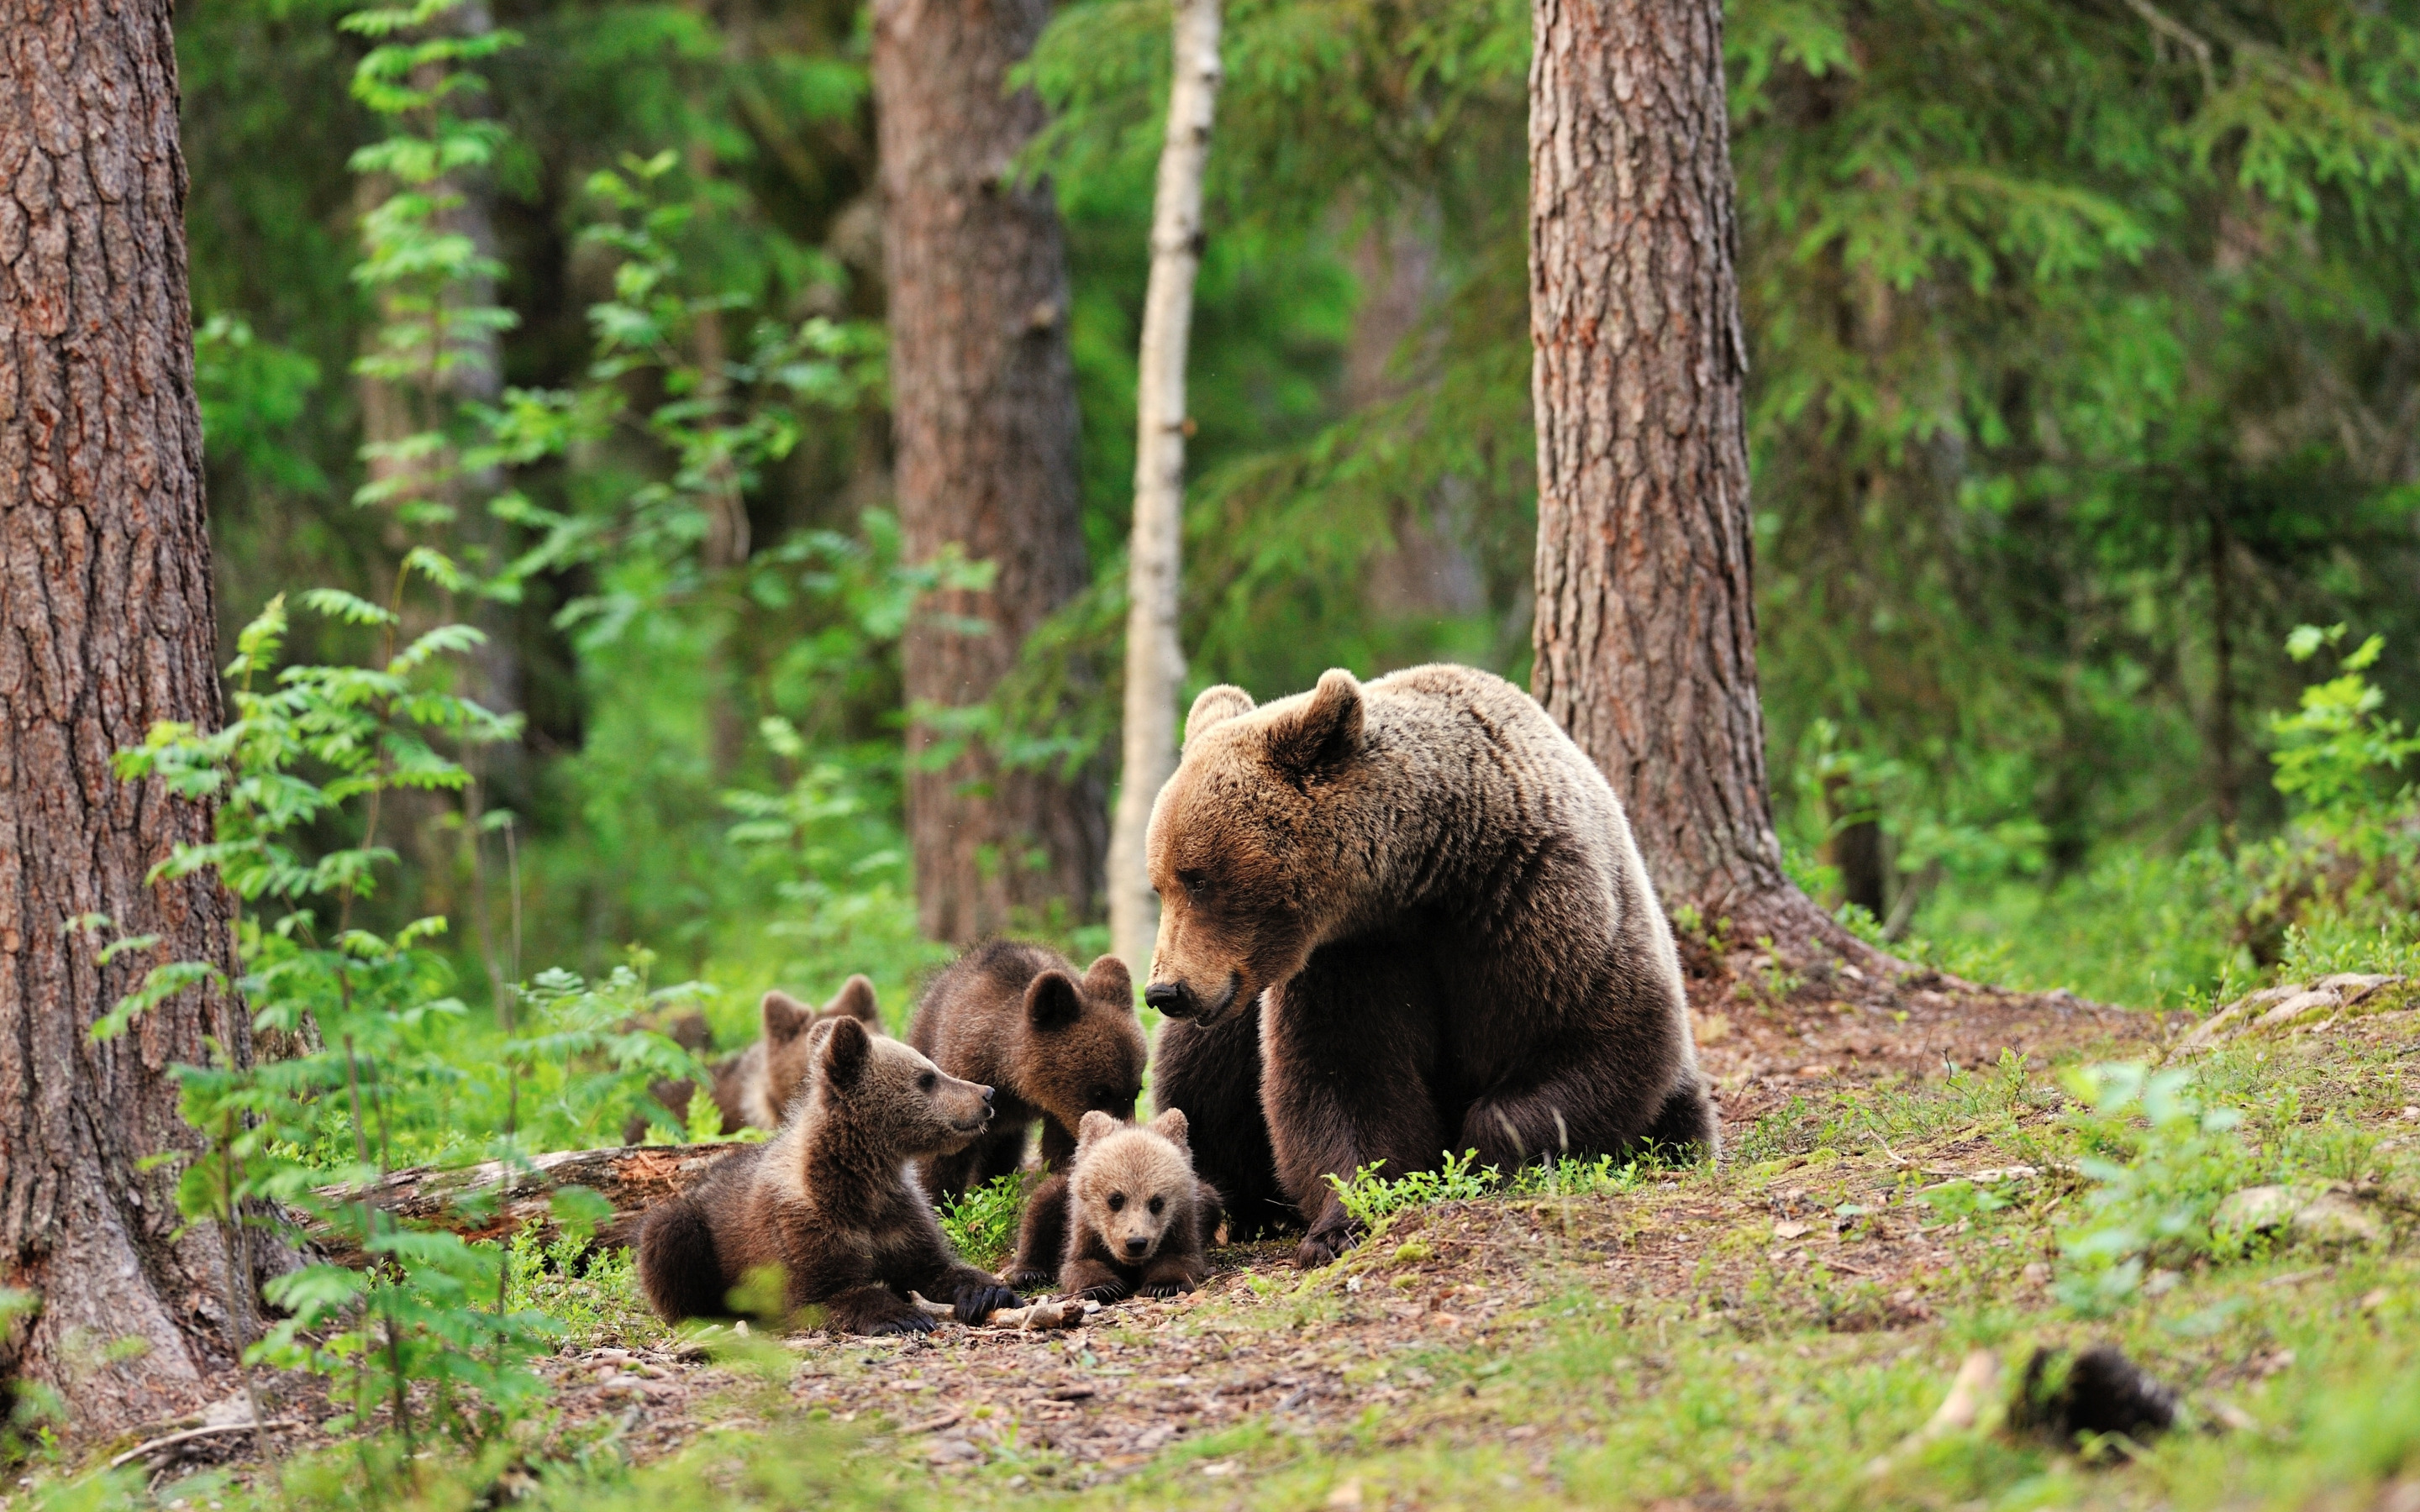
495 1199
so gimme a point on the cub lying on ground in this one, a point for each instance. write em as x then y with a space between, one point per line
827 1200
753 1088
1138 1218
1057 1046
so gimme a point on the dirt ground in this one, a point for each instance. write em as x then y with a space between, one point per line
1089 1404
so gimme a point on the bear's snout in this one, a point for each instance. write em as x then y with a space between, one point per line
1179 1000
1137 1245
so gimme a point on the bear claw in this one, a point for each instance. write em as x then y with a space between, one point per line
912 1323
1322 1246
1107 1291
977 1303
1026 1278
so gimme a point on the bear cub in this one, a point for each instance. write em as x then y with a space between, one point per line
827 1203
1138 1218
1057 1046
752 1088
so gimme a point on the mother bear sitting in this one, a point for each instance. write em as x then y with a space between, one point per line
1432 899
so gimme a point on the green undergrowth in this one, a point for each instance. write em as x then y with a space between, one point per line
2049 1208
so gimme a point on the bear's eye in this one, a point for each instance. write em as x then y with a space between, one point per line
1157 1204
1117 1202
927 1082
1196 883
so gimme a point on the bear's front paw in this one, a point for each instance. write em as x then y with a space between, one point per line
1323 1245
979 1300
1027 1278
1167 1289
1105 1291
906 1323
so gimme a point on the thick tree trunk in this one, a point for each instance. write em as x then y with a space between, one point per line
106 627
984 413
1646 621
1154 658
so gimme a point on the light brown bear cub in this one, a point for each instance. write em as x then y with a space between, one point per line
1057 1046
752 1088
1138 1218
827 1201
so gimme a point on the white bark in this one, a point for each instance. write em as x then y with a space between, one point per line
1155 661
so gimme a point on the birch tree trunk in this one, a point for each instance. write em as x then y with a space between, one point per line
1646 620
983 420
1154 658
105 628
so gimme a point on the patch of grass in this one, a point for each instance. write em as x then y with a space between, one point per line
981 1224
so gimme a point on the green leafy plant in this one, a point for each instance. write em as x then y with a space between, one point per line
2336 752
980 1223
2157 1163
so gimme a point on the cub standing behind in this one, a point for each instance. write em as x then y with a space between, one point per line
1138 1218
827 1200
753 1088
1057 1047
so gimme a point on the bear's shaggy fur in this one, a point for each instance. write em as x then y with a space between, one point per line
752 1090
1056 1047
827 1202
1139 1220
1213 1074
1435 898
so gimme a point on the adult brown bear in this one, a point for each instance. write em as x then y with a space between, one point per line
1434 898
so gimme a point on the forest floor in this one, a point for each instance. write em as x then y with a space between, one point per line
1900 1190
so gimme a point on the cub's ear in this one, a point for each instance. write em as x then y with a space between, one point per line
1325 734
1053 1001
1106 981
855 1000
1171 1127
1214 707
784 1017
1096 1125
847 1048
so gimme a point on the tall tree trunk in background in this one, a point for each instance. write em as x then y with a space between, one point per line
106 627
1646 621
983 414
1155 657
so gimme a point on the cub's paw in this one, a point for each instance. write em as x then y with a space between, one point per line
1323 1245
979 1300
1167 1289
1027 1278
1105 1292
906 1323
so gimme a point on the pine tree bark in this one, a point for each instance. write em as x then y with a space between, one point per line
106 627
1155 656
1646 620
984 418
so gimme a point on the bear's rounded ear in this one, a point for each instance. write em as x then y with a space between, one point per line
855 1000
1095 1125
1106 981
1214 707
784 1016
847 1048
1171 1127
1324 734
1053 1001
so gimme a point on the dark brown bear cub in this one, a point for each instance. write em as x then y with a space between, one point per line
827 1202
1057 1047
1138 1218
752 1088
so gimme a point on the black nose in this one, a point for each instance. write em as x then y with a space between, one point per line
1136 1246
1164 996
986 1092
